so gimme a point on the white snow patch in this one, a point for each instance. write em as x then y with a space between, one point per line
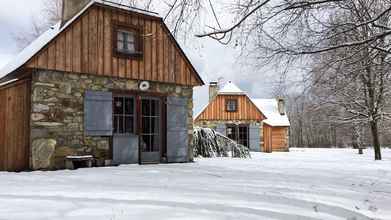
301 184
269 107
230 89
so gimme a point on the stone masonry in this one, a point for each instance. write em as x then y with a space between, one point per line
57 117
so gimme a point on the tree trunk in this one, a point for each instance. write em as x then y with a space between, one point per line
375 140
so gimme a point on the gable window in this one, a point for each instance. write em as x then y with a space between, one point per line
231 105
127 41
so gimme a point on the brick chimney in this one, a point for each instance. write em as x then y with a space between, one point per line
213 89
71 7
281 106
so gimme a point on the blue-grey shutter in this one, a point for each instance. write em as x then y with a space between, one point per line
221 128
98 113
177 130
255 137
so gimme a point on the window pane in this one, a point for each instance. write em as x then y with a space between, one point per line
121 129
129 106
130 47
118 105
146 125
120 35
115 124
120 45
154 108
155 126
146 107
129 125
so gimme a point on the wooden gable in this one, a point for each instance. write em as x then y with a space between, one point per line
86 46
216 110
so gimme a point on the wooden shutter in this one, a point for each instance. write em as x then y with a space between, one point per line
255 137
177 130
98 113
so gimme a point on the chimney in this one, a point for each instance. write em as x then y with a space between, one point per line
281 106
70 8
213 89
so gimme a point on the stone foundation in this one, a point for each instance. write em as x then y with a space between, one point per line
57 117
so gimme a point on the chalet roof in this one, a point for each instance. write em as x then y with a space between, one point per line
269 107
230 89
38 44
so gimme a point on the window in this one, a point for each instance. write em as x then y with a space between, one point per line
127 42
231 105
238 133
123 115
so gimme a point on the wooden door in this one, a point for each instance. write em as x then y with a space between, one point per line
14 126
267 138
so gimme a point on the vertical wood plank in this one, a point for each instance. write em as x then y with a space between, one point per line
122 61
68 50
141 62
154 48
77 51
2 129
148 50
92 46
114 58
135 62
60 53
129 67
160 54
85 44
43 59
101 39
108 43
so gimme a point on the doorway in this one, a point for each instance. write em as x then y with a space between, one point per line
150 130
238 133
137 129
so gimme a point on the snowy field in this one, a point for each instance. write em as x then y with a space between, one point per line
302 184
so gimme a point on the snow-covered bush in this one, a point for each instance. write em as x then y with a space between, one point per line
209 143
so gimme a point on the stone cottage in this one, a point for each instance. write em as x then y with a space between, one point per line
108 81
259 124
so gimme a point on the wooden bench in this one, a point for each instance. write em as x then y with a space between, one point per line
75 162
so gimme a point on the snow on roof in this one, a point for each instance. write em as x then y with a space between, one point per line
27 53
230 88
269 107
30 50
117 4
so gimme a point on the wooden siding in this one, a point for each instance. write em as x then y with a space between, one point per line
275 138
86 46
14 126
279 139
216 110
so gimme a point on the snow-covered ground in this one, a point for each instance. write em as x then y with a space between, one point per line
302 184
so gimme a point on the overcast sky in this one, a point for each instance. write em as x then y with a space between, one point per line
211 59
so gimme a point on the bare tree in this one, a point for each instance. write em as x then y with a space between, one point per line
50 15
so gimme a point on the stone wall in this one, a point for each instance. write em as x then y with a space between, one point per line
57 117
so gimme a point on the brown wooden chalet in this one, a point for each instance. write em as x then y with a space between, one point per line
260 124
108 81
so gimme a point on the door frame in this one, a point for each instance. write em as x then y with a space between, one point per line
163 118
